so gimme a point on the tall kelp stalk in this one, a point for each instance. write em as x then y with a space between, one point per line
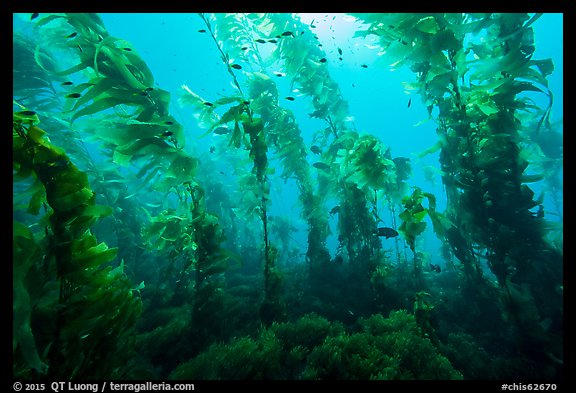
253 135
473 73
71 306
119 104
241 36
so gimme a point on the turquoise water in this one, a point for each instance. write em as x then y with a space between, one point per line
297 219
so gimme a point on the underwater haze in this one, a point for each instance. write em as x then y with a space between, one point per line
288 196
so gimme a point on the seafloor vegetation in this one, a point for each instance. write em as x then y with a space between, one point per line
142 264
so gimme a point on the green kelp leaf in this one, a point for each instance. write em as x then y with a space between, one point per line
415 228
418 213
445 40
183 168
487 108
147 146
98 106
93 257
427 25
172 231
545 66
121 159
37 199
236 137
97 86
229 100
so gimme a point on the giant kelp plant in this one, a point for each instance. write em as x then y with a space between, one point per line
195 276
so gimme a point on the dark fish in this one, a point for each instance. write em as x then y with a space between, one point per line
202 31
353 85
67 83
387 232
127 49
364 66
79 47
221 131
340 58
208 103
315 149
168 123
246 102
273 41
322 166
339 51
26 113
278 74
212 149
34 16
435 268
288 33
334 210
260 40
149 89
322 60
168 133
244 48
236 66
290 98
72 35
74 95
409 102
319 45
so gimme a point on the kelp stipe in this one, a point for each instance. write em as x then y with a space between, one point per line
87 307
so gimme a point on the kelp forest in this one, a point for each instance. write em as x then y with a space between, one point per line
148 238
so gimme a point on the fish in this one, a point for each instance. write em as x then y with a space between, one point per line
334 210
208 103
127 49
288 33
364 66
72 35
279 74
236 66
67 83
290 98
273 41
315 149
339 51
244 48
212 149
435 268
74 95
202 31
322 60
260 41
409 102
340 59
221 130
168 133
387 232
322 166
169 123
34 16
